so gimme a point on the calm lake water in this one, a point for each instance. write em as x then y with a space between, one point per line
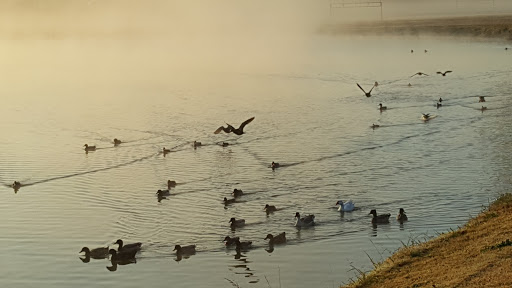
58 94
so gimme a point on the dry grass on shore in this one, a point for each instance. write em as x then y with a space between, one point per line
477 26
476 255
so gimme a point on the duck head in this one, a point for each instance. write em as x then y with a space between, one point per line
373 212
269 236
177 248
297 215
402 211
119 242
86 250
340 202
232 220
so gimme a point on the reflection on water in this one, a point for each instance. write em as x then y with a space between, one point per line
310 118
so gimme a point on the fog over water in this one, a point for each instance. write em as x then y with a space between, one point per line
166 73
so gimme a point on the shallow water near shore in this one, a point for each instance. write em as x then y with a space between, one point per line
310 117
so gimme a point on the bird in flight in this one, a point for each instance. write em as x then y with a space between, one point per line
444 73
237 131
368 94
419 73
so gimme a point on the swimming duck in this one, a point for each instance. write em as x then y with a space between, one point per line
412 51
279 239
409 85
165 151
229 201
274 165
116 141
162 193
89 148
440 100
483 108
231 241
242 245
401 215
185 250
16 185
481 99
121 256
383 218
131 246
171 184
270 208
425 117
96 253
345 206
237 192
438 105
426 51
444 73
382 108
374 126
305 221
197 144
224 144
367 94
376 84
419 74
237 131
236 223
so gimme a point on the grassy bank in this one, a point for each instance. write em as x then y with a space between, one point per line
476 255
477 26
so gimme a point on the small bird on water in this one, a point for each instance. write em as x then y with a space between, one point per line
231 129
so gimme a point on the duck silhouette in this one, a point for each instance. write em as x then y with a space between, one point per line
96 253
278 239
89 148
401 215
231 241
270 208
382 218
131 246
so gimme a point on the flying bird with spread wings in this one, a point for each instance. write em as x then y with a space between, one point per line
231 129
419 74
444 73
369 93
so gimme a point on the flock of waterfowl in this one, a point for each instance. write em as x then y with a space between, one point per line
126 253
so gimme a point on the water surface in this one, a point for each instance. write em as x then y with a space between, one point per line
310 116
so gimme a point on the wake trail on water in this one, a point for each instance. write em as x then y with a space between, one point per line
89 171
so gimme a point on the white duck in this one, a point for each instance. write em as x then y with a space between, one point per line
345 206
305 221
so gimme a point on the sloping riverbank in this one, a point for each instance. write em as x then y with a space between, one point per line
476 255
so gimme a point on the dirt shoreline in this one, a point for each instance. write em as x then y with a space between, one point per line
471 26
478 254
